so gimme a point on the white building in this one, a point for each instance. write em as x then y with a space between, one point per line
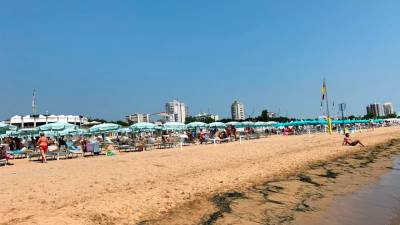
177 110
205 116
238 111
31 121
375 109
388 108
138 118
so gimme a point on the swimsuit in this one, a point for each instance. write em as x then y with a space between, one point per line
43 145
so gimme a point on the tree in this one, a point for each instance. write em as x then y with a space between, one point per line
190 119
264 116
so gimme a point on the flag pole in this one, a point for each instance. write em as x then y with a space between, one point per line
327 110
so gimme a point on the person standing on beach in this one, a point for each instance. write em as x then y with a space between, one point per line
347 141
43 145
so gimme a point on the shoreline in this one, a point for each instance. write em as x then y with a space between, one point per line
134 187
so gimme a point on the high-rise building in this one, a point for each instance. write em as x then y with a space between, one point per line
388 108
375 109
238 111
178 111
138 118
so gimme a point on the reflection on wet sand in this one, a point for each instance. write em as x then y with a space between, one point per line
376 204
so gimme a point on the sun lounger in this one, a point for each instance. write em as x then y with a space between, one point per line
17 153
3 156
73 150
126 148
3 162
93 148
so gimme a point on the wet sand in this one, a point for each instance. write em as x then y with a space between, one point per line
374 204
306 197
173 186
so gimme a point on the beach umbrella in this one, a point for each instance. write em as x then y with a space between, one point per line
235 124
69 131
248 124
196 125
219 125
58 126
50 133
12 133
28 131
124 130
143 127
5 127
173 126
260 124
104 128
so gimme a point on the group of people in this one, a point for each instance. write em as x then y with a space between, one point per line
42 142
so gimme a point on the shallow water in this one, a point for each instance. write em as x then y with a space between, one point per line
375 204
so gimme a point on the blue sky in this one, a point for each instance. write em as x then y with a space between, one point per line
111 58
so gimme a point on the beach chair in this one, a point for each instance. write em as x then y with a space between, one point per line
89 149
3 162
17 154
3 156
73 150
125 148
150 144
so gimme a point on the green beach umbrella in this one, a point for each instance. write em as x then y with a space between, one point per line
5 127
104 128
124 130
248 124
58 126
143 127
173 126
235 124
196 125
219 125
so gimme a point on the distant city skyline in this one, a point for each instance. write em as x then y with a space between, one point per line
111 59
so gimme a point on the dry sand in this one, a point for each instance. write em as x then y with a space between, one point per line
132 187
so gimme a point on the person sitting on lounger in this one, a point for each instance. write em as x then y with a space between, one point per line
347 141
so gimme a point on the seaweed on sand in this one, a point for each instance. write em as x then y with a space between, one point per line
223 203
307 179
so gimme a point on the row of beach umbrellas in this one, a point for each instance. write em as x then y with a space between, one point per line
64 129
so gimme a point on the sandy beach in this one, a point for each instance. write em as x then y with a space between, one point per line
134 187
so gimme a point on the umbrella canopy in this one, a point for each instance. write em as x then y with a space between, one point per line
104 128
260 124
28 131
5 127
173 126
58 126
217 125
248 124
12 133
235 124
195 125
143 127
124 130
